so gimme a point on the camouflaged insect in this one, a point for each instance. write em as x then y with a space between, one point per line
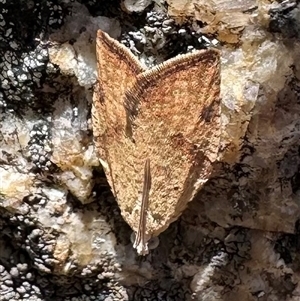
157 132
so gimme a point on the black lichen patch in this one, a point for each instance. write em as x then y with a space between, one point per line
286 19
39 146
23 56
110 9
158 37
27 264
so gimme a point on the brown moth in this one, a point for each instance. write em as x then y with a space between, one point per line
157 132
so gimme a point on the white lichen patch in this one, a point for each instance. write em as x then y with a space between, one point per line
79 57
74 157
83 235
16 180
14 184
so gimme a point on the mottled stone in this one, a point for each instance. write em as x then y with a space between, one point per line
61 234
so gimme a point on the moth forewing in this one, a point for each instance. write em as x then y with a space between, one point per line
169 114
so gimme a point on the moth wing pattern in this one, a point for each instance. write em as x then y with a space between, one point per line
117 70
174 114
169 114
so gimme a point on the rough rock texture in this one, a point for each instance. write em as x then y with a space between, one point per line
62 236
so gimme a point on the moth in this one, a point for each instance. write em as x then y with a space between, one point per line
157 132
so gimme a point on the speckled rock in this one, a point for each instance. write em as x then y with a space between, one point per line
61 233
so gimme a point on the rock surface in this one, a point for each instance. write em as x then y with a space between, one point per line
62 235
